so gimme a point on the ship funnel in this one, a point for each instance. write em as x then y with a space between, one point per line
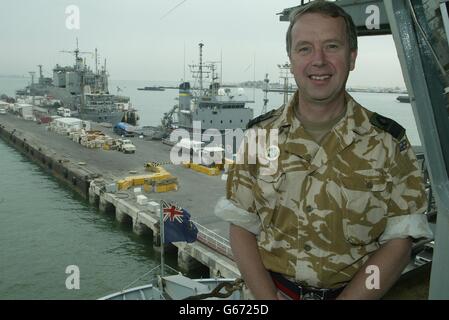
185 96
184 86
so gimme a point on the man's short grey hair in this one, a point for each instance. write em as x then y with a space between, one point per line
328 9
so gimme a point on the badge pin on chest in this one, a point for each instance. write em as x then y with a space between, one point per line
273 153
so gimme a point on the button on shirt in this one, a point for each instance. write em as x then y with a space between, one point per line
325 208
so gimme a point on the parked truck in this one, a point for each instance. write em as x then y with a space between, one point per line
64 112
124 129
125 146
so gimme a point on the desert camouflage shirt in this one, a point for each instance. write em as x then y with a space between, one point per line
325 208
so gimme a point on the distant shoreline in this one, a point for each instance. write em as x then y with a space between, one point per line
247 84
13 76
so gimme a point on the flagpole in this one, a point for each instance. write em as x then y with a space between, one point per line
161 231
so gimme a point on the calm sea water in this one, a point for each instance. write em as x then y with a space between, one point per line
45 228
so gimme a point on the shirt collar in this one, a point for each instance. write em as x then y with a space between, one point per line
287 117
356 119
355 123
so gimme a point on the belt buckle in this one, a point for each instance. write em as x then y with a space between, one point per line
310 293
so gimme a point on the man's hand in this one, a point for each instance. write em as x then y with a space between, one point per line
281 296
391 259
246 255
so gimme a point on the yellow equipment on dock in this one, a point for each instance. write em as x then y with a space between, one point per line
210 171
159 181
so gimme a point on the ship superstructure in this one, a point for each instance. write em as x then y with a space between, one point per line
213 107
82 90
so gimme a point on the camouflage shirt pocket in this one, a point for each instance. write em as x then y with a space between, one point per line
267 192
365 205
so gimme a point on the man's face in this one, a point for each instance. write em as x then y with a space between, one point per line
320 57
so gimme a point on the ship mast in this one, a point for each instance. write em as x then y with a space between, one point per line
285 74
32 73
41 76
80 67
96 61
77 53
105 78
265 100
201 67
199 71
214 88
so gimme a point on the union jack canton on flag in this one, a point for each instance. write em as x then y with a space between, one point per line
177 224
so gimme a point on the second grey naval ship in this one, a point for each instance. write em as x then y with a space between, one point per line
83 91
213 107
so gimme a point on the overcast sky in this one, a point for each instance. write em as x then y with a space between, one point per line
145 39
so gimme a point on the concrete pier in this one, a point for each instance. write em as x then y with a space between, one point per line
157 241
187 262
120 216
140 228
104 206
94 200
90 172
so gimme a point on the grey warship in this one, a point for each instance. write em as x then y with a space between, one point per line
212 107
83 91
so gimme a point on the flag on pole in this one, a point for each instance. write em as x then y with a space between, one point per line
177 224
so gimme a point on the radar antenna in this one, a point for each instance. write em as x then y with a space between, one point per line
77 51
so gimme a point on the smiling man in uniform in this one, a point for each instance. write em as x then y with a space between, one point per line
347 196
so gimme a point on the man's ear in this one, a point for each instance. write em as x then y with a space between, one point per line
352 59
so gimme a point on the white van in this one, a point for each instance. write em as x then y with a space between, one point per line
64 112
67 113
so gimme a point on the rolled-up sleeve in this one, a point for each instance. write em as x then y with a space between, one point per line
228 211
406 213
238 206
414 225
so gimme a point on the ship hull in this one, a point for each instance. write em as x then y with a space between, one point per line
113 117
95 115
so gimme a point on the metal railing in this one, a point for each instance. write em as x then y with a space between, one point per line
213 240
151 274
